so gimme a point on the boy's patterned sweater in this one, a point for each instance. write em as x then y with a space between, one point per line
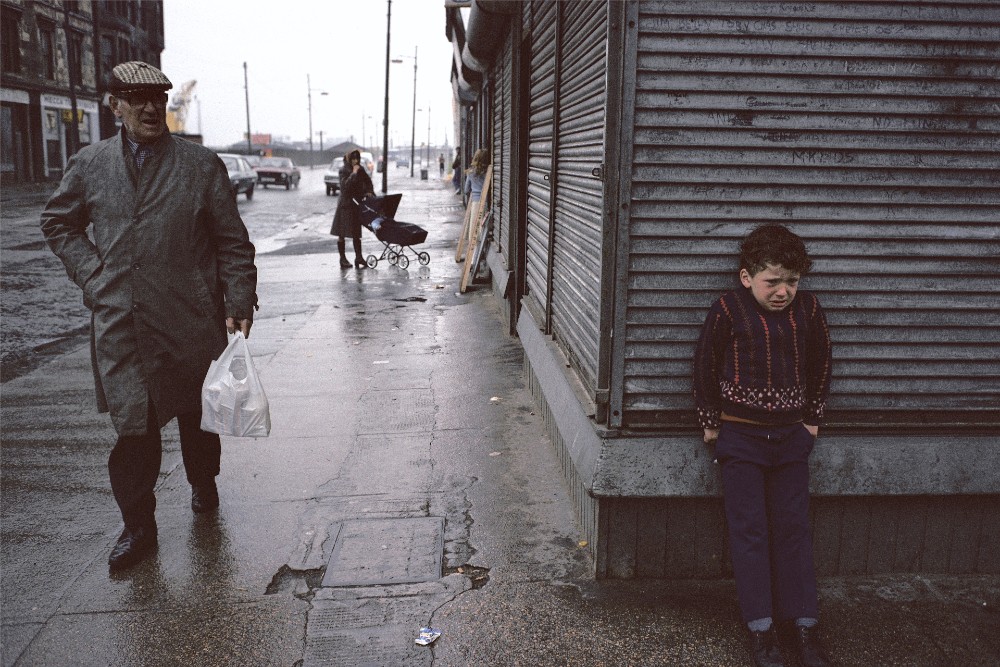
766 367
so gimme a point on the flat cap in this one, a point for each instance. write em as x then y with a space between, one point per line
136 75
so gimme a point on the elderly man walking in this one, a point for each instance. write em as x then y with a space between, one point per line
168 270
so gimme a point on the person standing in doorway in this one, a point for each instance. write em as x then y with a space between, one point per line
761 380
355 185
169 270
475 178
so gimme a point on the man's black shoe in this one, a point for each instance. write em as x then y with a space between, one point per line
132 548
810 650
204 497
764 648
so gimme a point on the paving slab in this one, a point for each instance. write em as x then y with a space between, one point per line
370 552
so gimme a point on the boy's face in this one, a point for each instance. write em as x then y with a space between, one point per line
774 287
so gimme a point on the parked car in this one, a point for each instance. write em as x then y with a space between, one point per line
278 171
253 160
368 162
241 174
332 176
402 162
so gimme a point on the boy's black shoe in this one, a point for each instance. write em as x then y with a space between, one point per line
132 548
764 648
204 497
810 650
345 263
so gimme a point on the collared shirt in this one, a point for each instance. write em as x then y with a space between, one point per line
139 151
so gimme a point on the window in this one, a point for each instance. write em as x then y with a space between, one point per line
47 49
75 58
107 56
124 50
10 42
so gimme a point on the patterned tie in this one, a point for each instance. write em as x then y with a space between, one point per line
141 153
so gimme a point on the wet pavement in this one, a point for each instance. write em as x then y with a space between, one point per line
407 482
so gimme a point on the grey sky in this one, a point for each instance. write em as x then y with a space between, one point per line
340 44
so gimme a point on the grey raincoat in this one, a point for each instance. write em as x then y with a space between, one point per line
170 259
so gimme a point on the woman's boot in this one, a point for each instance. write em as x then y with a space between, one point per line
342 247
359 261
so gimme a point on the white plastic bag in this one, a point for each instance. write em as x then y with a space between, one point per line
232 398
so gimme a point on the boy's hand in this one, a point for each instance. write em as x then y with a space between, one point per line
813 430
712 434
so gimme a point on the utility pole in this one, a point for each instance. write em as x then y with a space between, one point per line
413 128
246 87
309 94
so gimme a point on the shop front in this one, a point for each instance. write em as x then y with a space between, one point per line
15 149
57 131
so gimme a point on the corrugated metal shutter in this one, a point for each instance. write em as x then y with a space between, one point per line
870 129
576 265
502 125
541 104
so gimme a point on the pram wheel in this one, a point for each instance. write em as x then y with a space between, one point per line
393 257
424 259
402 261
372 261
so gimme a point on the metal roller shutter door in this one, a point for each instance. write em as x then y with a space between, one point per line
870 129
541 103
578 198
502 114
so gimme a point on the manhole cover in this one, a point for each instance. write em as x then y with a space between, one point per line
368 552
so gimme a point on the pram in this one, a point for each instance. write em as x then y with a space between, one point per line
377 215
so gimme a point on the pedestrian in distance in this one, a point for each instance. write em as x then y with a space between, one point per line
169 270
441 165
355 185
475 178
456 170
761 381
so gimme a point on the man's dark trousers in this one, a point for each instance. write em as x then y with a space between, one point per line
134 465
765 477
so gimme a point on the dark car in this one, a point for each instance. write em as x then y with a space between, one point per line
278 171
402 162
241 174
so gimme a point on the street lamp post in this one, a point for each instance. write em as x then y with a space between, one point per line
385 116
309 95
413 128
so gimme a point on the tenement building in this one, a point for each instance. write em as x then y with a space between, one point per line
56 56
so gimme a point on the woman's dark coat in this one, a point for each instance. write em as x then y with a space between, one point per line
353 186
170 259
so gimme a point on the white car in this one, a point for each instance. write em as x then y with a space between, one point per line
331 178
368 162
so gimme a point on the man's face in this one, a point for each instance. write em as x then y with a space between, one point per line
773 287
144 114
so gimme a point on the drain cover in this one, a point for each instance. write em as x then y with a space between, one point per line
386 551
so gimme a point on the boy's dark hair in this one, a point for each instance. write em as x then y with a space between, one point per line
774 244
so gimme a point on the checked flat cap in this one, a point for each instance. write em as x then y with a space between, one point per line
136 75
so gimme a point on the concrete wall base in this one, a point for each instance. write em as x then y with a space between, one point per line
650 505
